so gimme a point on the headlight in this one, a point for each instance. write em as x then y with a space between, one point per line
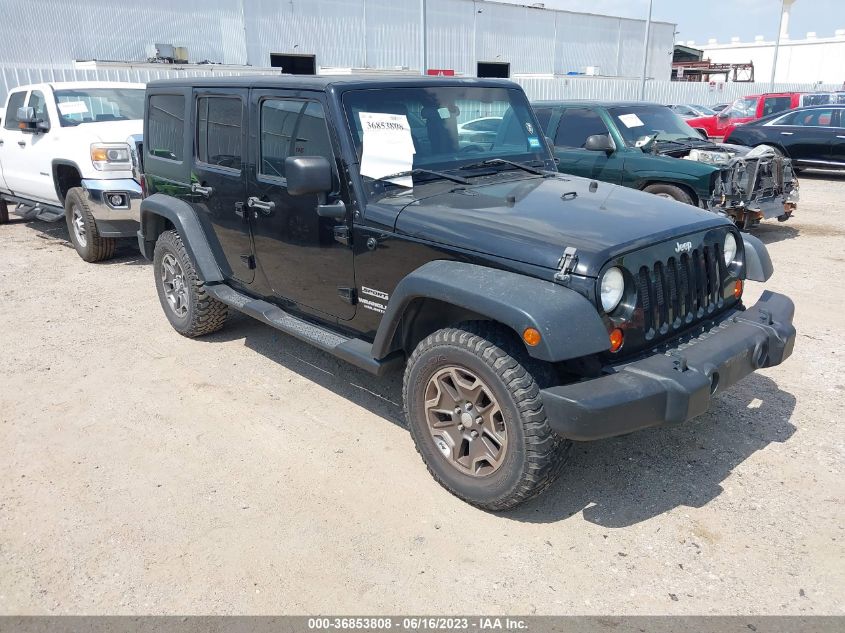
729 249
111 156
711 158
612 289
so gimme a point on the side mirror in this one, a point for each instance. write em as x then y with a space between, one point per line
600 143
28 122
724 115
308 175
26 115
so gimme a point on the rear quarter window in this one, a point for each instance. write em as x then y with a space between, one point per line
166 132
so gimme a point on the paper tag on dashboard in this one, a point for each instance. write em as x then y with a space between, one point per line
631 120
388 146
72 107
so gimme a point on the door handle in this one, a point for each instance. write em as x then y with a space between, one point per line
787 133
256 203
203 191
22 143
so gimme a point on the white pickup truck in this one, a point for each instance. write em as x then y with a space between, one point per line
67 151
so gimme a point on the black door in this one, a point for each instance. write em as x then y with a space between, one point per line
303 256
217 184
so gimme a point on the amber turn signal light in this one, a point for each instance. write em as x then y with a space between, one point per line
738 289
531 337
616 339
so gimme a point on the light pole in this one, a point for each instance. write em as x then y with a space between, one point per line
645 50
423 43
785 6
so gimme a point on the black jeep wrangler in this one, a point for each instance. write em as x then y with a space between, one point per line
528 308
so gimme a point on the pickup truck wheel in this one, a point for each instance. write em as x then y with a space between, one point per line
189 308
4 212
472 402
669 191
86 239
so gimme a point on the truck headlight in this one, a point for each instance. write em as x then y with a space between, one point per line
612 289
710 158
111 157
729 249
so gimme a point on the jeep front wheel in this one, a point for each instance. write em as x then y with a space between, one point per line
473 405
4 212
189 308
84 236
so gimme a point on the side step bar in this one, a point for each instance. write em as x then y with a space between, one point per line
40 210
352 350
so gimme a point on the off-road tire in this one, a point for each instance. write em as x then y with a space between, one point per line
4 212
535 455
670 191
205 314
96 248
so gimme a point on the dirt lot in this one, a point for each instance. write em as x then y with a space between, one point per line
248 473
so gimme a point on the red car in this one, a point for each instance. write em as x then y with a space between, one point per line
744 110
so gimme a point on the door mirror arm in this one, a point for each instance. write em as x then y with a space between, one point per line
335 211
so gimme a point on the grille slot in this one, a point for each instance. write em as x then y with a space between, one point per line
680 291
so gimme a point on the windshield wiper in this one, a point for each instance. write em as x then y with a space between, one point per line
503 161
428 172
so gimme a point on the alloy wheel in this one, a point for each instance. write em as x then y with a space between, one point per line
78 222
465 421
173 281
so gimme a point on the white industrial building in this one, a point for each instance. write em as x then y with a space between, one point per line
810 60
469 37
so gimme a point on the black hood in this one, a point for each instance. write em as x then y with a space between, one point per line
534 219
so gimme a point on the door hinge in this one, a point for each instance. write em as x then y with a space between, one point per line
341 234
349 295
248 261
567 264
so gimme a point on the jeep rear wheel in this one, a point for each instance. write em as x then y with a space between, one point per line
472 401
189 308
669 191
84 236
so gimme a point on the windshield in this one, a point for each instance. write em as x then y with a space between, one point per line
640 123
400 129
93 105
742 108
704 110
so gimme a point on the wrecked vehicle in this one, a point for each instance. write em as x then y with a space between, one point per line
648 147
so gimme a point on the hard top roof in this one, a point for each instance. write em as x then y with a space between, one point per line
326 82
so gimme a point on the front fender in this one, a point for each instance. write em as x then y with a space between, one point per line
179 213
569 324
758 263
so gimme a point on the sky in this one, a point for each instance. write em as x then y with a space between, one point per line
722 19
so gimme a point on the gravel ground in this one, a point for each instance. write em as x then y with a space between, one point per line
249 473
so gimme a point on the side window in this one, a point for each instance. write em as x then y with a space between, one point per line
776 104
166 127
15 102
291 128
544 115
39 104
576 125
218 135
819 117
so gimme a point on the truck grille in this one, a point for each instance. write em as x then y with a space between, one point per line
680 291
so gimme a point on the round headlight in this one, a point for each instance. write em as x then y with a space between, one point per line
729 249
612 289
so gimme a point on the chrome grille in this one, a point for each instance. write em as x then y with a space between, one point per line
675 293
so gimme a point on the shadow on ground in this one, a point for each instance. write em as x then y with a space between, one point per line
127 253
614 483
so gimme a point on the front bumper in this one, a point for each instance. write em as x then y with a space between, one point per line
114 220
677 385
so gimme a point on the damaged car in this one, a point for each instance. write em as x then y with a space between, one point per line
648 147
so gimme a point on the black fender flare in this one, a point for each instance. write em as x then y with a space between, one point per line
54 173
184 219
569 324
758 263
